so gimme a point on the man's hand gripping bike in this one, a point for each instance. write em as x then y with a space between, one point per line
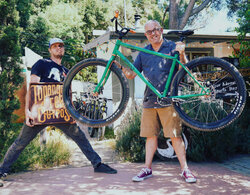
208 93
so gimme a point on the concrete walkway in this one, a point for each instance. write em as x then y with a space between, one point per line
230 177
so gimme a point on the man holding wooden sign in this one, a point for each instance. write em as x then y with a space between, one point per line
44 106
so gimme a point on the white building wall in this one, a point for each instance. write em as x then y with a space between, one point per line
30 59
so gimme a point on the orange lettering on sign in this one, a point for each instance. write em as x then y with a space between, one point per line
47 104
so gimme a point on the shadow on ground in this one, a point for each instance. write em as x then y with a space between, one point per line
212 179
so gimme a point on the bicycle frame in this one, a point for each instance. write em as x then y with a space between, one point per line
116 52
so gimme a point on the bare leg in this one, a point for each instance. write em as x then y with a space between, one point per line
180 151
151 146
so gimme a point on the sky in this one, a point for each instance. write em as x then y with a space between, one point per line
219 23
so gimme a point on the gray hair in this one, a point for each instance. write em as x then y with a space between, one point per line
152 21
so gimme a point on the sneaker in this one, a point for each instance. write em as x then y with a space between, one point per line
188 176
103 168
144 174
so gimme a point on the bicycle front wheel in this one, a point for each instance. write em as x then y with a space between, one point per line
223 104
110 101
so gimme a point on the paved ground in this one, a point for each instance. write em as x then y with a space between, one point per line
230 177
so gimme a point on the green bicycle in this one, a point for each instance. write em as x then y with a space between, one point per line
208 93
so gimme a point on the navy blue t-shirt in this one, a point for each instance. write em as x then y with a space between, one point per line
49 71
156 70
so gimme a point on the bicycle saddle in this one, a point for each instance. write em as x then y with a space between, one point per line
182 33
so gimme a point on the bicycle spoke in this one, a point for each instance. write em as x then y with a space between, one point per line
198 111
223 109
193 108
213 112
221 79
216 109
190 101
229 104
116 86
207 116
187 84
95 98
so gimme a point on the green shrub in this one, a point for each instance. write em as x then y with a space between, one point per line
202 146
56 152
217 146
10 72
28 157
129 145
7 137
109 133
220 145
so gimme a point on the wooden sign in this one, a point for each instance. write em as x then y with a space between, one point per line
46 104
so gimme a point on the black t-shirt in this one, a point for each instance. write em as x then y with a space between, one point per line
49 71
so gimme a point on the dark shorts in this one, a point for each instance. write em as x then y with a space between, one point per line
153 119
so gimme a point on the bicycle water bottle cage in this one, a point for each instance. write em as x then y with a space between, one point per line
182 34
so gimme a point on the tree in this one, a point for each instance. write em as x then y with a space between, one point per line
10 78
93 13
241 9
24 10
182 11
57 19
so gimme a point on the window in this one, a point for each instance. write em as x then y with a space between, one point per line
193 53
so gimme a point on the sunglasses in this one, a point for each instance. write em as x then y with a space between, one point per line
150 32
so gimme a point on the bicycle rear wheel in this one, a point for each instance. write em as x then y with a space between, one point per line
222 106
113 95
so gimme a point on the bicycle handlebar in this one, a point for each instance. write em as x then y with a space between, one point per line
124 31
116 15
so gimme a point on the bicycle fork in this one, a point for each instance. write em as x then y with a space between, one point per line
105 76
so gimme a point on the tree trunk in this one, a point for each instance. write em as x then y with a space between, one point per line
164 16
176 22
187 14
173 14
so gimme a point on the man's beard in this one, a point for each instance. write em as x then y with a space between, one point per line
60 56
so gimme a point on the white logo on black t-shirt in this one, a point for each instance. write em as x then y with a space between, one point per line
54 74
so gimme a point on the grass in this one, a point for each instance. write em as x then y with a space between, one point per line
56 152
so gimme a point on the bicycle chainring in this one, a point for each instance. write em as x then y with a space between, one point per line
165 101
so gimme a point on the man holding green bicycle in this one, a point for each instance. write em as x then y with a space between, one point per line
154 115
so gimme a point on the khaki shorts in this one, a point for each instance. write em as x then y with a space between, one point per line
154 118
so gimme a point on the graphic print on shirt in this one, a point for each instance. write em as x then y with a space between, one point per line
54 74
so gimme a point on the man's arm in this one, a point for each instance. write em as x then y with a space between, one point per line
128 73
180 47
28 115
